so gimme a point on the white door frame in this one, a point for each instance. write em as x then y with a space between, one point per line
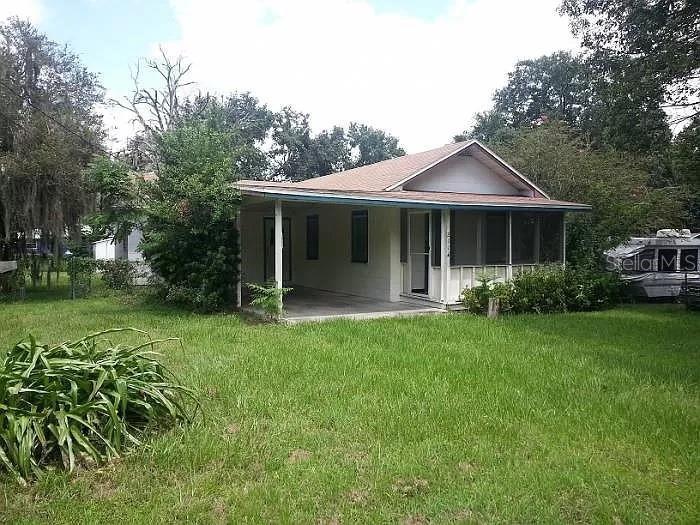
410 253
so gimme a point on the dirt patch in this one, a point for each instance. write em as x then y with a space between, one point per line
465 516
105 489
410 487
328 520
467 467
358 497
415 519
356 456
299 455
212 392
233 428
219 511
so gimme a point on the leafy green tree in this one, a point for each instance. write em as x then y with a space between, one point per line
554 86
686 165
561 161
660 38
297 154
330 152
118 203
291 152
49 131
369 145
190 239
609 101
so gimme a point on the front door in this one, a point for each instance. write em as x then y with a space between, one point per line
269 254
419 250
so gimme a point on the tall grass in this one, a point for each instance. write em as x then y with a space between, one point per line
82 402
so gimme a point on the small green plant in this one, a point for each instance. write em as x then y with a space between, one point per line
118 274
476 299
268 298
80 271
82 402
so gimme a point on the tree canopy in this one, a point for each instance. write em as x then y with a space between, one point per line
49 131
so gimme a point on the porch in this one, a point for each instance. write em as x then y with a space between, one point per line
384 259
308 304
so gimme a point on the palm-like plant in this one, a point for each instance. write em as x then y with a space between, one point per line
83 401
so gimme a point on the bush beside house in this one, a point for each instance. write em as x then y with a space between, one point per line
547 289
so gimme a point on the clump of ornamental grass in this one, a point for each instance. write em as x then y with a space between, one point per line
83 402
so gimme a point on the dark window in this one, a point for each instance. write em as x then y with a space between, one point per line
524 241
496 238
404 235
359 236
437 237
667 260
550 237
312 237
689 260
464 238
645 261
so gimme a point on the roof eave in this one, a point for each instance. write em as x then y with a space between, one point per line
414 203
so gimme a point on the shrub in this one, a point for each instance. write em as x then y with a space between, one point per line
190 239
548 289
476 299
81 402
118 274
268 297
80 271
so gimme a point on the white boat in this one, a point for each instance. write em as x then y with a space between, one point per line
659 266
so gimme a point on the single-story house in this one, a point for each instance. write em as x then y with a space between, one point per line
414 229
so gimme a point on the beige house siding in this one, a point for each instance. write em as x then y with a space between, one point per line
379 278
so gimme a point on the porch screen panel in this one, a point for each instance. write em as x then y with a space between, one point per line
550 237
359 232
524 238
496 238
465 235
436 221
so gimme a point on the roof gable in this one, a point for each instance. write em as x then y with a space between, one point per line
381 175
393 174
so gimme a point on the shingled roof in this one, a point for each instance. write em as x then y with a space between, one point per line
383 183
382 175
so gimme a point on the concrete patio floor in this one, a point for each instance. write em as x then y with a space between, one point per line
305 304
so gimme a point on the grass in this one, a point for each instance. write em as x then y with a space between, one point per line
570 418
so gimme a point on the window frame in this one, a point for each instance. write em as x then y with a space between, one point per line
355 217
312 250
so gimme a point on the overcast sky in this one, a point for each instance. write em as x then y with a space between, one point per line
419 69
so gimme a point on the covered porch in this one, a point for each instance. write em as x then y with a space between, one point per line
363 260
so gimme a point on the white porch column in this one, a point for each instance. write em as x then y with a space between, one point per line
278 245
509 269
445 257
239 289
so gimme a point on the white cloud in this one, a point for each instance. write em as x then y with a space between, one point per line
30 9
341 60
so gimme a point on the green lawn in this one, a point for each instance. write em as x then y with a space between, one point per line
571 418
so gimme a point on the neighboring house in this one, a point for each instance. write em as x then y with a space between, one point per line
419 228
109 249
